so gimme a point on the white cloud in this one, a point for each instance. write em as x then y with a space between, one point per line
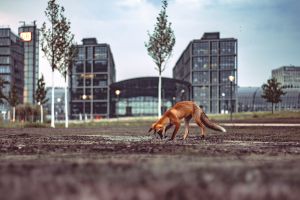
129 3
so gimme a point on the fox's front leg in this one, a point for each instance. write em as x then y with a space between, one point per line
177 125
167 128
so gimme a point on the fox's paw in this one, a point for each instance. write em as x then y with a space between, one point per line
202 137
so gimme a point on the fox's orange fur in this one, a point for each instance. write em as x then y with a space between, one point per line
184 110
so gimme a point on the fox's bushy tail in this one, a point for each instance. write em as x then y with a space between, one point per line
210 124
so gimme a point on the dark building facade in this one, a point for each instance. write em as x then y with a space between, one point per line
92 72
207 64
11 63
138 96
30 36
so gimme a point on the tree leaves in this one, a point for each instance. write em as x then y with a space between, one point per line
2 86
41 92
13 98
57 39
272 91
162 40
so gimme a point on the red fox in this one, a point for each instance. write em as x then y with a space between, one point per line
186 110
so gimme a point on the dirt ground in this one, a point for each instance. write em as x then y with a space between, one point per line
127 163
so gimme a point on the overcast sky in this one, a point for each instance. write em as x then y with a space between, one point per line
268 31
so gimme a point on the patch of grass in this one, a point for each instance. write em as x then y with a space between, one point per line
255 115
17 124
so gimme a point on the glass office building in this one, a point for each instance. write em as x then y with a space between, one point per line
30 36
207 64
138 96
11 63
92 72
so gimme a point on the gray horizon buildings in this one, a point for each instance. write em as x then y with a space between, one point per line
30 36
288 76
11 64
207 63
92 72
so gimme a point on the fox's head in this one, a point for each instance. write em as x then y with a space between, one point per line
157 128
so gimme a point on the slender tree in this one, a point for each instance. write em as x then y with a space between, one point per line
160 45
13 100
53 41
71 52
272 92
40 95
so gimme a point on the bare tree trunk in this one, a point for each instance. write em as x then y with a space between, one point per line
52 102
66 103
14 114
159 95
42 114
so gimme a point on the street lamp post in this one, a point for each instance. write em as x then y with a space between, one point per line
173 101
42 112
231 79
117 92
182 93
84 114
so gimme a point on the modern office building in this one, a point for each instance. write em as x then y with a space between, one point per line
288 76
207 64
138 96
11 64
92 72
30 36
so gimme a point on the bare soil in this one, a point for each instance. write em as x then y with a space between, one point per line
128 163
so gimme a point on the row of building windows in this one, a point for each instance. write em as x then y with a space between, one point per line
89 93
203 63
4 32
85 107
90 52
91 66
4 60
4 51
210 77
5 69
203 48
89 80
4 42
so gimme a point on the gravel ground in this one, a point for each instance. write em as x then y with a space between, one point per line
128 163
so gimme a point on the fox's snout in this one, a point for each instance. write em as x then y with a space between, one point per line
159 132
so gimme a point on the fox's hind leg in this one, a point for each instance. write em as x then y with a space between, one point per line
202 127
197 119
186 123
